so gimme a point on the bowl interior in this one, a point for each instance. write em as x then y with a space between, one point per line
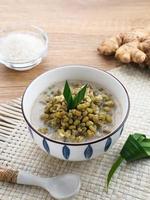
75 72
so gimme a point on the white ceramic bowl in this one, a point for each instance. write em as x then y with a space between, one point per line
74 151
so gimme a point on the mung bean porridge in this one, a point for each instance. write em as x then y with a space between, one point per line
95 117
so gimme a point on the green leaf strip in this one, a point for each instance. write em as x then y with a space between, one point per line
68 95
113 169
80 96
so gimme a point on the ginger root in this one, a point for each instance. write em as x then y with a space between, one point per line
133 46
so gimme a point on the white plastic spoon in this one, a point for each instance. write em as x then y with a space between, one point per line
60 187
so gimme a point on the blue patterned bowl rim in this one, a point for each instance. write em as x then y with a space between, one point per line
83 143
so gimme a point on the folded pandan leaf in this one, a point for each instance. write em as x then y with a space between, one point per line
136 147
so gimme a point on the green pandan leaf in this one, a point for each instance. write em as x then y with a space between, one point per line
132 149
114 168
73 102
146 146
144 142
68 95
136 147
80 96
139 137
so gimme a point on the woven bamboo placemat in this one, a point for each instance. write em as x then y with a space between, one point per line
131 181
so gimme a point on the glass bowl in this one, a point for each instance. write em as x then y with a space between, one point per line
24 64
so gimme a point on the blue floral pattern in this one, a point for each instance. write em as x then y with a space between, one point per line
121 130
30 131
108 143
88 152
66 152
45 145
